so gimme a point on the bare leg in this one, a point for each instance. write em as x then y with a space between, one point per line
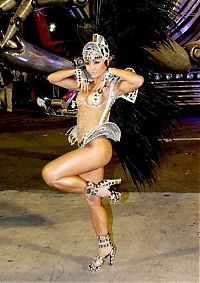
64 172
94 203
97 212
69 172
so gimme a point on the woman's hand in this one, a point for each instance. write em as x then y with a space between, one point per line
82 80
129 80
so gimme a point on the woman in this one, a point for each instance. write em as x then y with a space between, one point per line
82 170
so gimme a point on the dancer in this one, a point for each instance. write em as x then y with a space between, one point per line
82 170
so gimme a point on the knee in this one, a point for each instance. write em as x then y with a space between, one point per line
93 201
48 177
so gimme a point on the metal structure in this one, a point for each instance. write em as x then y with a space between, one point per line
183 88
187 22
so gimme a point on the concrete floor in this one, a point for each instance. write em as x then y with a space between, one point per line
46 236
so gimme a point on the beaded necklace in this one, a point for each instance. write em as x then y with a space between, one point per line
107 78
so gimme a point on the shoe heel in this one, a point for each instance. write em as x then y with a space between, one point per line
115 196
112 255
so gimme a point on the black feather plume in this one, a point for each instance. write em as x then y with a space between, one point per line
129 27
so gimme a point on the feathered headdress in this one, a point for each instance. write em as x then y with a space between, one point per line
130 27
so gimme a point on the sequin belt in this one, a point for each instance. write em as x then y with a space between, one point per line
109 129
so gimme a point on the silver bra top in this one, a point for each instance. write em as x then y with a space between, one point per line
92 100
110 130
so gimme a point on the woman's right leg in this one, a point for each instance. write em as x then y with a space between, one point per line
99 219
97 211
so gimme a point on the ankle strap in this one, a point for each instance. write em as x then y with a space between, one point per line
108 182
91 188
104 241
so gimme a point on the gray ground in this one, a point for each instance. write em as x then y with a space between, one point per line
46 236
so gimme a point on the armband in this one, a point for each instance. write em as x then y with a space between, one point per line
131 96
82 76
110 77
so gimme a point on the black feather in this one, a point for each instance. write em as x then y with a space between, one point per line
130 27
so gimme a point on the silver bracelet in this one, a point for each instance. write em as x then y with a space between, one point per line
78 74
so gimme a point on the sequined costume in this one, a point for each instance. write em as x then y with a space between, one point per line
152 118
93 117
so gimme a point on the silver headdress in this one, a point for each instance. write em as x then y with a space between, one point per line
97 48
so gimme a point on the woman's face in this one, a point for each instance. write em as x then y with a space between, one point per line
96 67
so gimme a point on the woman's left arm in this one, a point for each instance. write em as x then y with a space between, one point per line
129 81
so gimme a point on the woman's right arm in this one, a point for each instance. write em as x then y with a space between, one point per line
64 78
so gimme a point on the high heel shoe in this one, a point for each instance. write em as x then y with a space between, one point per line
98 261
95 189
107 183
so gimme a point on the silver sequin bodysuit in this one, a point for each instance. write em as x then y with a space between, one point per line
93 118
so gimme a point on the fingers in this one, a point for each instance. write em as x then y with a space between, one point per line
84 86
87 85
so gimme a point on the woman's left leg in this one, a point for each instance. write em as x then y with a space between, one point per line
64 172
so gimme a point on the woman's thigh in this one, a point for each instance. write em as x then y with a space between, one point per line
93 156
